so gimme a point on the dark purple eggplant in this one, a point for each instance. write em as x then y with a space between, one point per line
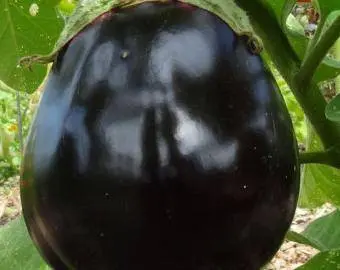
161 142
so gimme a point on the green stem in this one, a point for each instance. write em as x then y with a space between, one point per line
329 157
316 36
313 104
317 54
288 64
314 157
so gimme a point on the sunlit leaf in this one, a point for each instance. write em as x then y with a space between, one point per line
17 249
327 260
325 231
301 239
319 183
25 31
322 234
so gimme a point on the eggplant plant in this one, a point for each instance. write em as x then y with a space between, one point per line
162 139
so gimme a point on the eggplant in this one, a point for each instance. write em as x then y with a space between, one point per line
161 142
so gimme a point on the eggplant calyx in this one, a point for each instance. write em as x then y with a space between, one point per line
88 11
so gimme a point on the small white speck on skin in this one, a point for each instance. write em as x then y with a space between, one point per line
124 54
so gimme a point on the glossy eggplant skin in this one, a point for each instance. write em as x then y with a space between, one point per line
161 142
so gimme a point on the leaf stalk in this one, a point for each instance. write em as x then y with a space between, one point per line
316 55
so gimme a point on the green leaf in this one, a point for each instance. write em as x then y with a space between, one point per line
296 36
300 238
17 249
322 234
319 183
328 260
333 109
290 26
327 7
325 231
22 34
5 88
295 26
329 68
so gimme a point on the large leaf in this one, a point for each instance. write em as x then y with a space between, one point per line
296 35
300 238
319 183
328 260
329 69
323 233
17 249
22 34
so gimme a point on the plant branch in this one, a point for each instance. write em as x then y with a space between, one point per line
288 64
328 157
317 54
314 104
314 157
316 37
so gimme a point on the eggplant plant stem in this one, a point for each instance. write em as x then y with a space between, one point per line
317 54
288 63
314 157
316 36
